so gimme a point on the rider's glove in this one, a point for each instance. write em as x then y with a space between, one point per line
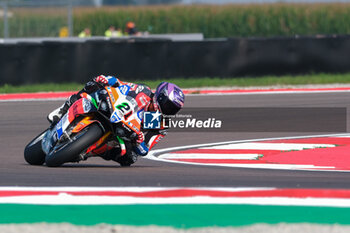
90 87
101 79
140 137
141 149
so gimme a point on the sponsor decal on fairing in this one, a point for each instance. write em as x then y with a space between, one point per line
124 89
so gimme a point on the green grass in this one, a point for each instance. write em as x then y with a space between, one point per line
228 20
199 82
175 215
40 87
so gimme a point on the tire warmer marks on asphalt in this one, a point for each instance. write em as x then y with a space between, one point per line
316 153
176 207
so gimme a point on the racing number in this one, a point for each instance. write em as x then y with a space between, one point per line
125 109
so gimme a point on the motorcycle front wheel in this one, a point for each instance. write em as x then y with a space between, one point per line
70 150
33 153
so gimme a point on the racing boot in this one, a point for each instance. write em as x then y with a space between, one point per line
57 114
127 159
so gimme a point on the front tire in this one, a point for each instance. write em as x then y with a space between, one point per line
33 153
70 151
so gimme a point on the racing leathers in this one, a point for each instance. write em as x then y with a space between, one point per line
143 95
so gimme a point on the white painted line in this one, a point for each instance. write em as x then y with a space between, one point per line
68 199
204 94
270 93
153 154
129 189
87 189
271 166
255 165
65 199
209 156
269 146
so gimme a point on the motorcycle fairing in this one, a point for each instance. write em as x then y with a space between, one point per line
125 108
49 139
79 107
83 123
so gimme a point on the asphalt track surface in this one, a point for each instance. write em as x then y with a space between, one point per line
21 121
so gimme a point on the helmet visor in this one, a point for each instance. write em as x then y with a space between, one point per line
167 107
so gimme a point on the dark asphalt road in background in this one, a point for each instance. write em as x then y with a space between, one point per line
21 121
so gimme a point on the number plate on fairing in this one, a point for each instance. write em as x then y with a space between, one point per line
125 108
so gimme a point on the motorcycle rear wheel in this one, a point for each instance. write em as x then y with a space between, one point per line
70 150
33 153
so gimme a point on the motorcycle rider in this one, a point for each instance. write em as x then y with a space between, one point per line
168 99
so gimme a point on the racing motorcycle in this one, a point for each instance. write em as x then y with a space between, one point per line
106 120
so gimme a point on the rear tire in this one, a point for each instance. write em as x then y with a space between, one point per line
33 153
71 150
